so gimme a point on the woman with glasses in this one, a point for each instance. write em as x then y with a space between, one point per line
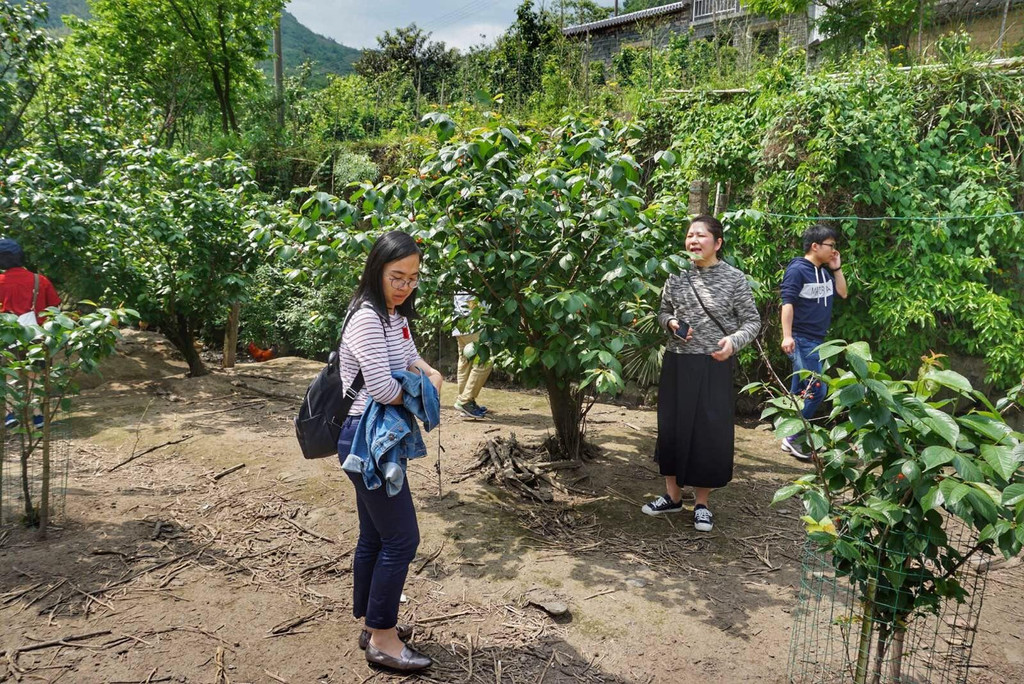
376 341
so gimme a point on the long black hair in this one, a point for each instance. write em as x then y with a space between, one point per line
390 246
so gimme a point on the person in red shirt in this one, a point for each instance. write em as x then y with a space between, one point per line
17 283
17 286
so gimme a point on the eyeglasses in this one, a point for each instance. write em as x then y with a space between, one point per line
402 283
830 245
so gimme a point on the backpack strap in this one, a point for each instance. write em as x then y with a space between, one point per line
35 292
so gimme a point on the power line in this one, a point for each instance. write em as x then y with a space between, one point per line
452 13
892 218
460 14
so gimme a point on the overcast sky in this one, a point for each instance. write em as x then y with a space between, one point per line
459 23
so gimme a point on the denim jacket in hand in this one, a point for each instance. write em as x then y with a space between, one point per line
387 436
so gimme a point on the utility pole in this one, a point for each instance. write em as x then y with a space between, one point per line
616 7
279 72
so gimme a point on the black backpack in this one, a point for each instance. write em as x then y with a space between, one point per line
323 410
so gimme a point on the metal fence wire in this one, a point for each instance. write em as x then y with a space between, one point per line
21 469
930 646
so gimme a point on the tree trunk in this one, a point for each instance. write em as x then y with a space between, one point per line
44 494
699 191
181 336
31 515
1002 29
279 72
866 627
567 412
883 641
231 335
896 662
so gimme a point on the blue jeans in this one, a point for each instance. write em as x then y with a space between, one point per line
388 538
805 357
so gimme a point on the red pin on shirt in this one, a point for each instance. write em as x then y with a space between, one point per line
405 333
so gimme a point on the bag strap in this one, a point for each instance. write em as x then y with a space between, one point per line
350 398
701 302
35 292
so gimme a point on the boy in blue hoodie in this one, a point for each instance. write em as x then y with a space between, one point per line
808 289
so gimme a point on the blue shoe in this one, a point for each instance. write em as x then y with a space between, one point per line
10 421
37 422
469 409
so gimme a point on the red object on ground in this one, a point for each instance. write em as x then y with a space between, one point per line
260 354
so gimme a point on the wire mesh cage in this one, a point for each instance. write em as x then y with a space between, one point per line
839 635
21 470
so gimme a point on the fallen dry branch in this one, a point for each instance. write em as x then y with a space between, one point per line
288 625
291 398
325 564
63 641
228 471
148 451
309 531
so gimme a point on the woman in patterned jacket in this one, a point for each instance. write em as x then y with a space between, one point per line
710 314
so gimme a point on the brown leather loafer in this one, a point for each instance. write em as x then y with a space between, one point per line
409 661
404 633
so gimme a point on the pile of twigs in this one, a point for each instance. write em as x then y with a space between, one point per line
509 463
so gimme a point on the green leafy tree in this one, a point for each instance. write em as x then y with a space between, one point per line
520 53
39 368
571 12
24 47
170 235
190 52
410 51
545 227
897 467
848 22
637 5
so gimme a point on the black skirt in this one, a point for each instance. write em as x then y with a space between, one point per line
696 406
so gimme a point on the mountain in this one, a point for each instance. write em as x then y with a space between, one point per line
300 43
59 8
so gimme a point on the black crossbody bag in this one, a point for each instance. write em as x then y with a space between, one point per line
711 316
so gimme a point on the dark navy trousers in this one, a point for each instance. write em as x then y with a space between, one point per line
388 538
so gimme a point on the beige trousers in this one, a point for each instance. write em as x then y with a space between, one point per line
471 376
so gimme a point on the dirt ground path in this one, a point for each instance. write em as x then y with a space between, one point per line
161 571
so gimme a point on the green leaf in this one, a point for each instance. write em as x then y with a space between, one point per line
950 379
786 492
787 427
933 499
1013 494
995 430
967 469
935 456
1002 459
943 424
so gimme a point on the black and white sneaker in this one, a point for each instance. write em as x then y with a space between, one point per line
663 504
703 521
790 447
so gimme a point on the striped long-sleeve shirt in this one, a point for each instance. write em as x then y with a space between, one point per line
367 346
725 292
